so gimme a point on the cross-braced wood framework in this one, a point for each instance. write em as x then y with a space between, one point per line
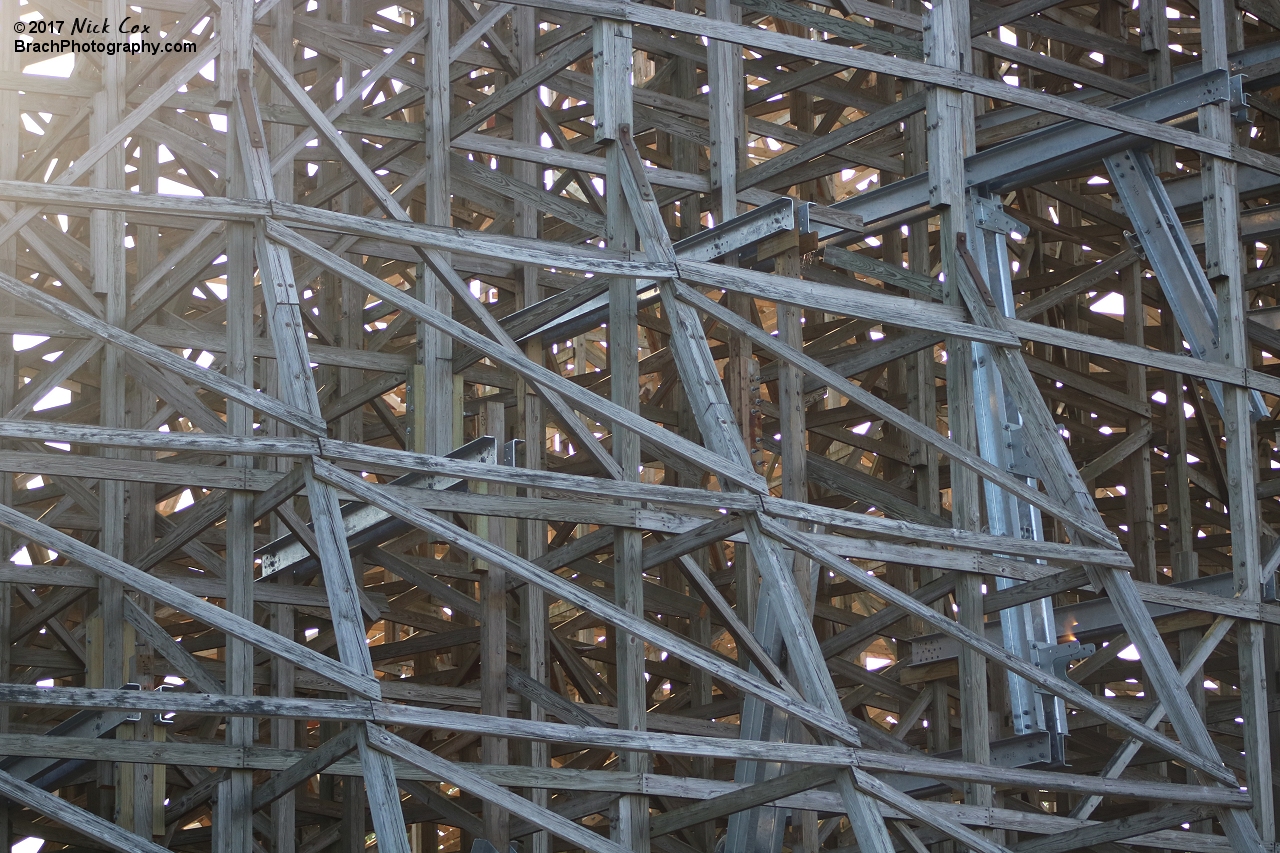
744 425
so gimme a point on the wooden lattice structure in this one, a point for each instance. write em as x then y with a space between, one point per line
593 425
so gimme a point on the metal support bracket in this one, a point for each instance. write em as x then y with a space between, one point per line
1239 100
1023 461
165 718
1055 656
133 716
509 451
991 216
802 218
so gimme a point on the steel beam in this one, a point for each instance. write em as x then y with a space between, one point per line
1095 619
1045 153
738 235
1171 256
366 525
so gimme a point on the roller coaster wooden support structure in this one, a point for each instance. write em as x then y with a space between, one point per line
728 427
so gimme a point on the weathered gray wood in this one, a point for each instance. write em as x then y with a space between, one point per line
1086 280
304 768
439 265
717 422
612 52
551 64
741 633
1225 271
855 303
1065 689
516 361
508 244
548 699
889 274
171 650
1115 830
404 715
906 69
84 822
210 614
1044 438
117 133
345 595
743 798
281 761
907 424
847 135
569 592
451 812
160 357
463 778
1094 345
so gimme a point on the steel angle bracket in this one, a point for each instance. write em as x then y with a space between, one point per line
509 452
1135 244
990 215
1170 253
1054 657
1023 460
802 218
1239 100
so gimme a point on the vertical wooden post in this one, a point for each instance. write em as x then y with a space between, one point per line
1226 273
432 388
148 779
493 638
106 239
949 140
1183 560
347 301
611 56
795 487
284 732
1139 502
725 76
685 152
532 429
922 399
235 798
433 424
1154 23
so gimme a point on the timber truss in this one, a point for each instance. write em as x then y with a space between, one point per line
742 426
